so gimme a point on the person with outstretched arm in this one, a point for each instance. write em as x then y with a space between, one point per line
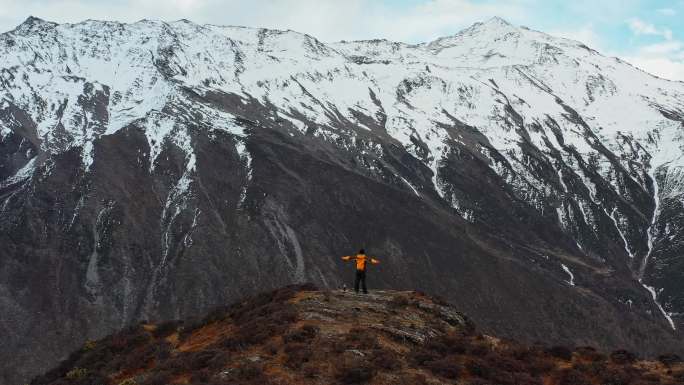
361 262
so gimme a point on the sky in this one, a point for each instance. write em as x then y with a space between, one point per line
648 34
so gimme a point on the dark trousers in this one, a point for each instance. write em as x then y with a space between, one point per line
360 277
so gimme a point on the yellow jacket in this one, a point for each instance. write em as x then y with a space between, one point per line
361 260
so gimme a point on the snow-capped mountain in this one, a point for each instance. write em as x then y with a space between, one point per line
154 169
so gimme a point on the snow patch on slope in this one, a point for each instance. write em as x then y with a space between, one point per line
571 282
21 175
654 295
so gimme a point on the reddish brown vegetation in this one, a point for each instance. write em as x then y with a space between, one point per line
299 336
355 371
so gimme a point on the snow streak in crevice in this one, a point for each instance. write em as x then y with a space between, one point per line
246 159
651 235
654 295
622 235
410 185
571 282
652 225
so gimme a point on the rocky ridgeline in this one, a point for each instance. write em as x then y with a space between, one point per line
299 335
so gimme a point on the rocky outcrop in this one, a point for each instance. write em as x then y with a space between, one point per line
298 335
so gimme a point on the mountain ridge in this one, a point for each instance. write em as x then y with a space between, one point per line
300 335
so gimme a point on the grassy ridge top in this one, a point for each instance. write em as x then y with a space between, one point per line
300 335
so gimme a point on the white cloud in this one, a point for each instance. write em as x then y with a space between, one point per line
659 66
640 27
666 11
664 58
585 34
663 48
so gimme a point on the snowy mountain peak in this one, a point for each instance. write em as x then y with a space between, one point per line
489 32
32 20
31 23
495 24
496 20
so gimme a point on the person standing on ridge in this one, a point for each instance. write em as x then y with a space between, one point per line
361 261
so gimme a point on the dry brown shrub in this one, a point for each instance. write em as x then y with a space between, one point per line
622 357
303 334
360 338
445 367
157 378
297 354
354 371
560 352
385 359
571 377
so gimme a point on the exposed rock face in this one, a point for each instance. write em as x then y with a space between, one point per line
152 170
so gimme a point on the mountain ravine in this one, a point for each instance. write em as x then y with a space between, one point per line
152 170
